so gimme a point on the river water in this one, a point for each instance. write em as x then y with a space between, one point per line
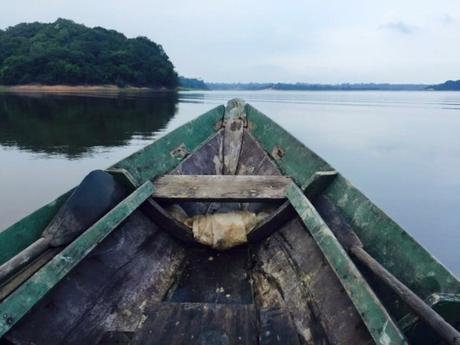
402 149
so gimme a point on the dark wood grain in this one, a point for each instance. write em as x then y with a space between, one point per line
191 323
97 277
210 276
276 327
330 305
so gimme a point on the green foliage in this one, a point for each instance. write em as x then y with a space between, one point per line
192 83
64 52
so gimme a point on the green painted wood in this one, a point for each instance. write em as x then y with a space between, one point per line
157 159
390 245
28 230
291 156
385 240
25 297
153 160
378 322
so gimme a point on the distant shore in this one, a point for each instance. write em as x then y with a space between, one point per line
76 89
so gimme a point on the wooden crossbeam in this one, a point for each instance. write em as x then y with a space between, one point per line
315 185
154 210
221 187
15 306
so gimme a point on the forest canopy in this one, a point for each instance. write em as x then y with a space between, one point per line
64 52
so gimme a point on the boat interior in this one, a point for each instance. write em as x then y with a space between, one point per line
227 262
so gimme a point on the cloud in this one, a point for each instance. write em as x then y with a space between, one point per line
241 41
399 27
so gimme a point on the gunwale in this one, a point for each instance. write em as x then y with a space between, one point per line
293 159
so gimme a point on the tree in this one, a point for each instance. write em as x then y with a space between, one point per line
64 52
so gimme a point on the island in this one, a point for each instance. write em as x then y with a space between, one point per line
450 85
67 54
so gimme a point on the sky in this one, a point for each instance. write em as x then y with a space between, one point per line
329 41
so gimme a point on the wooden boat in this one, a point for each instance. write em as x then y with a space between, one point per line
146 272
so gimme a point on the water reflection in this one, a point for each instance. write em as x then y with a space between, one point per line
74 126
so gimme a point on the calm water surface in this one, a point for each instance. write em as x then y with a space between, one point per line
402 149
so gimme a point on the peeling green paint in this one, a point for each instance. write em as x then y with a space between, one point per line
14 307
156 159
390 245
373 314
28 230
291 156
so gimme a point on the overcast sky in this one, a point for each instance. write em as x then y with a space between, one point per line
329 41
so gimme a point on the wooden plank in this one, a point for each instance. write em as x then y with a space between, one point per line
155 211
313 187
107 290
255 161
27 272
277 284
221 187
276 327
198 324
235 118
139 283
214 277
207 160
380 325
230 149
14 307
293 249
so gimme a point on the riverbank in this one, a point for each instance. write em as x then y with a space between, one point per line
76 89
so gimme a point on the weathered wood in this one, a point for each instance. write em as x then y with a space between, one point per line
210 276
379 323
198 324
207 160
418 332
29 229
221 187
24 298
22 258
230 149
255 161
446 331
158 158
276 327
314 186
328 301
116 338
155 211
277 285
235 118
94 197
141 282
27 272
107 290
351 242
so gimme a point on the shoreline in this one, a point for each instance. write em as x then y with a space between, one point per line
77 89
